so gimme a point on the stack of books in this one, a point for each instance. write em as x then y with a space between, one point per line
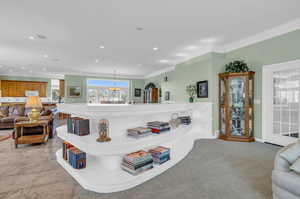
65 147
78 126
77 158
158 127
185 120
137 162
138 132
160 154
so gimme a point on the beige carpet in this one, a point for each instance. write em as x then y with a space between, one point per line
214 169
5 135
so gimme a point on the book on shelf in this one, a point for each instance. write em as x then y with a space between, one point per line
78 126
139 132
160 154
65 147
139 170
157 124
159 131
77 158
159 127
137 162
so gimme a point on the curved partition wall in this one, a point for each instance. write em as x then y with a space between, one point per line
103 172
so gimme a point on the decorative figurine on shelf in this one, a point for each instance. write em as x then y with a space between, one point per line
103 131
175 121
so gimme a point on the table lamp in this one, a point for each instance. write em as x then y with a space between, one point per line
33 102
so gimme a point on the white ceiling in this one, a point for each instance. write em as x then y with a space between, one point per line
76 28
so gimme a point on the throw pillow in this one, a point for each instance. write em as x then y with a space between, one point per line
292 153
296 166
4 110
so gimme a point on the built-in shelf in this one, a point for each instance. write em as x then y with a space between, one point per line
103 172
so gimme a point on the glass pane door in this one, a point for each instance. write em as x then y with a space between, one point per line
237 104
286 85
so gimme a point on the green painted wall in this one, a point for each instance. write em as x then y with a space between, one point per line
18 78
279 49
276 50
201 68
72 80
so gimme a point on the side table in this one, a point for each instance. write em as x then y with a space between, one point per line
22 138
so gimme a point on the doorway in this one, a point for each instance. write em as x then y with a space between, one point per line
281 103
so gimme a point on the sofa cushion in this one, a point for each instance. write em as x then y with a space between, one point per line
9 119
296 166
292 153
4 111
289 181
16 110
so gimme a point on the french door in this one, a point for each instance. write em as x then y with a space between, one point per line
281 103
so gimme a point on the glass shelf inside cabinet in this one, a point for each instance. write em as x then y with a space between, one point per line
250 122
251 91
237 105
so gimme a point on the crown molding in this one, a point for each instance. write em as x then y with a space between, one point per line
106 75
265 35
158 72
36 75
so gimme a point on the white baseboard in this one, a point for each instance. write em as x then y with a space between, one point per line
259 140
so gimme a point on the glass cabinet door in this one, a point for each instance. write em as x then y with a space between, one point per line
237 91
222 91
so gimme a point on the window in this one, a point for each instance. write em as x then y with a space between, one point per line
107 91
55 90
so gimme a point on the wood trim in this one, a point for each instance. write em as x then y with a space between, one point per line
14 88
226 77
62 88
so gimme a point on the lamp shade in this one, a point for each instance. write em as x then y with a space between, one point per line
33 102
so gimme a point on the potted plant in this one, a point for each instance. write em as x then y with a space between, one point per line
237 66
191 90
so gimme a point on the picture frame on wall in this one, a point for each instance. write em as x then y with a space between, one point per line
167 95
74 91
137 92
202 89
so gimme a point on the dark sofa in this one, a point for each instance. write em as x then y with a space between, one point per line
9 114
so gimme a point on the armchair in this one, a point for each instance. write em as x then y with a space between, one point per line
285 182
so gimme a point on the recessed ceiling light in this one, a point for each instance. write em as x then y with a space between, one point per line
10 70
1 66
30 71
45 56
31 37
23 68
209 40
44 69
101 47
181 55
164 61
140 65
97 60
155 48
191 47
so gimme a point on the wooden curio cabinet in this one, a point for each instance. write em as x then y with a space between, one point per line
236 106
